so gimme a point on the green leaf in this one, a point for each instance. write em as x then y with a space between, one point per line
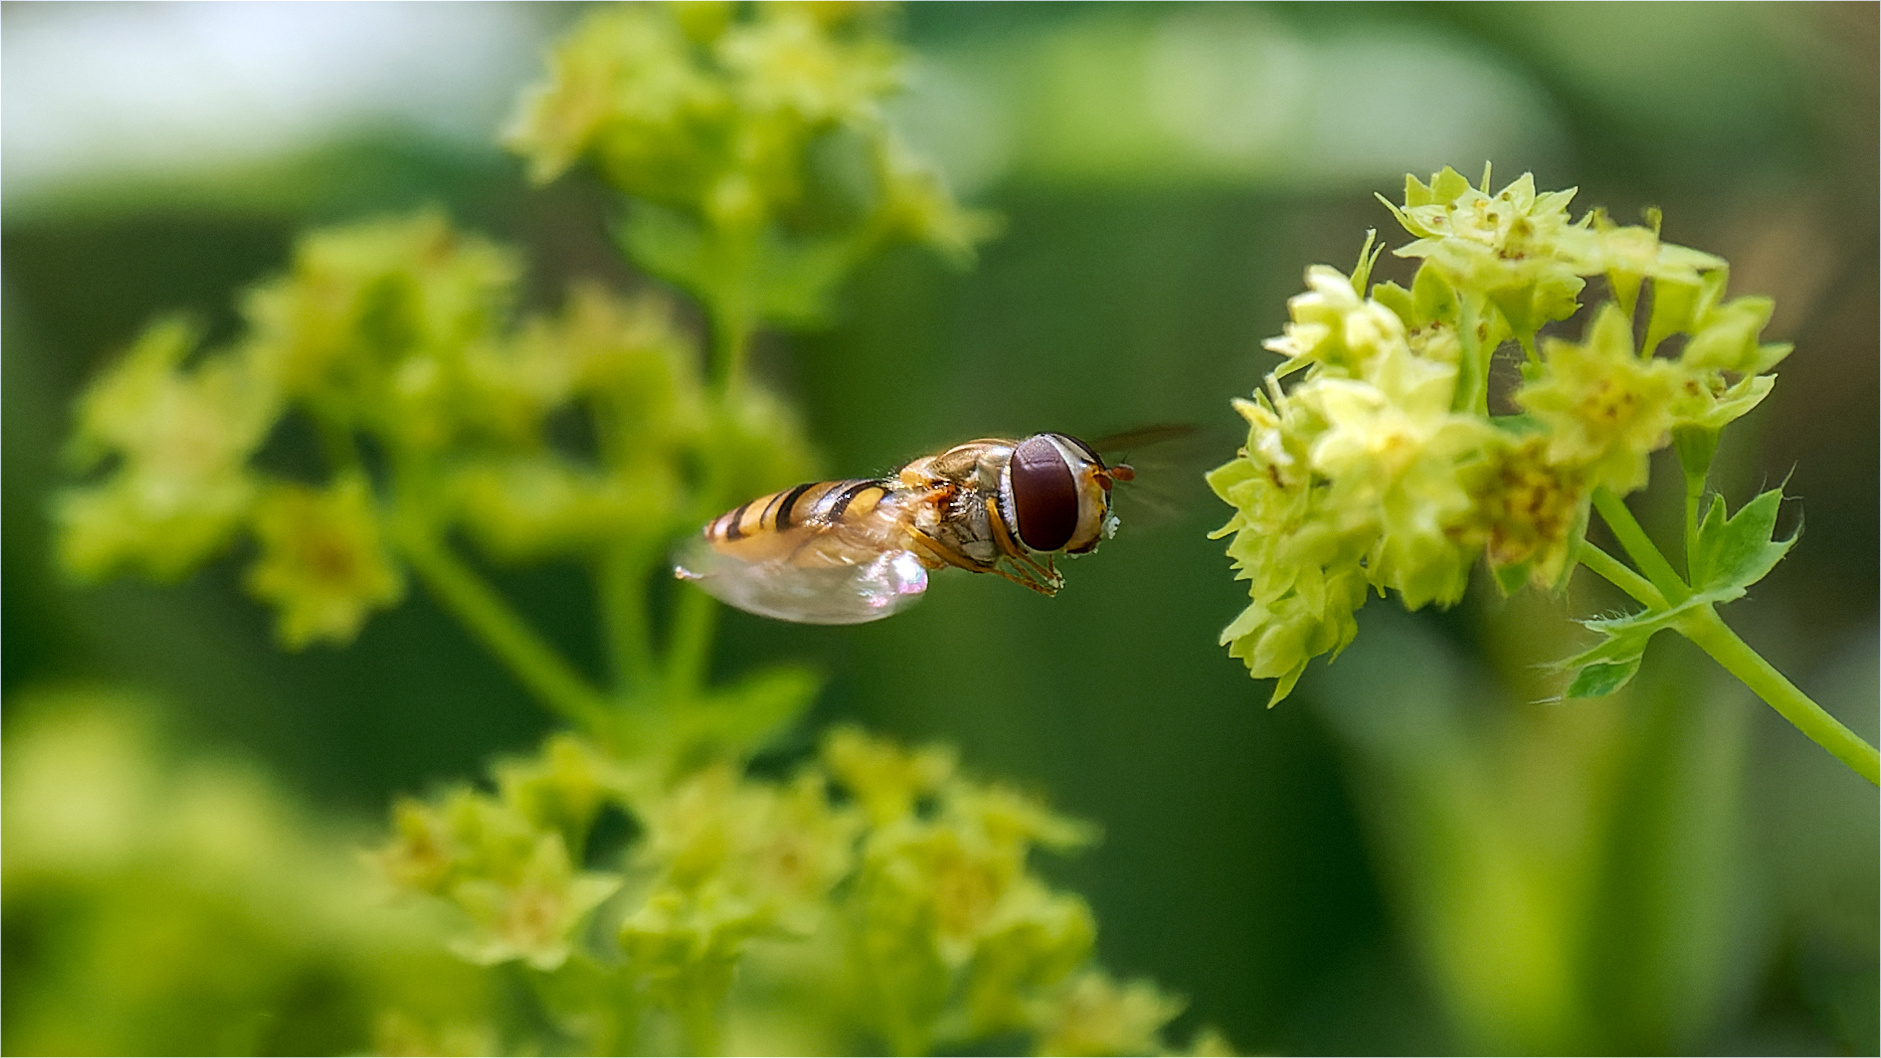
1602 678
782 281
1735 552
1512 578
743 717
796 281
667 244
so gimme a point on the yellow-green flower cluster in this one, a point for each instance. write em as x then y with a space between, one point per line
1381 467
510 862
901 888
752 139
181 903
393 342
181 437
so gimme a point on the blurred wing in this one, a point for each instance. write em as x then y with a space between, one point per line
816 595
841 573
1170 460
1129 440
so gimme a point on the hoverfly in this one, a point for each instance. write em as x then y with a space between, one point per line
845 552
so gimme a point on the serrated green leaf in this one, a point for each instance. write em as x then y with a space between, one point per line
1622 638
1602 678
1735 552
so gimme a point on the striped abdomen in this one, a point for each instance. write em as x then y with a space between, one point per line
764 527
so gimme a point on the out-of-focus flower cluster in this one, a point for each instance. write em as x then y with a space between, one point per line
885 898
1383 467
166 901
390 350
387 396
751 137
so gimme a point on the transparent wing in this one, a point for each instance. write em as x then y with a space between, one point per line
876 585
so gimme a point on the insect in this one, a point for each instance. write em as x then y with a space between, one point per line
845 552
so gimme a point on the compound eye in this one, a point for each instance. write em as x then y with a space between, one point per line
1044 495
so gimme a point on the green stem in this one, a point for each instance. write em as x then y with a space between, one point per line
731 340
1617 574
1693 493
1695 447
698 1019
1705 628
621 579
688 651
1528 347
540 669
1640 547
1472 377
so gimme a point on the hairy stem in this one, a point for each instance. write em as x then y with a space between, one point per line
1639 547
1705 628
1616 573
474 603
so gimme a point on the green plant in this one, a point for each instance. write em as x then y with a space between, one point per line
648 891
1384 467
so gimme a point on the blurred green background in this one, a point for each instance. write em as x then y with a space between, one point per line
1416 852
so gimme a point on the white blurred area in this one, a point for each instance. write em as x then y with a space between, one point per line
1222 95
102 91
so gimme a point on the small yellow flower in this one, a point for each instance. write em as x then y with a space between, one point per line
1516 246
789 60
1606 409
776 850
535 915
363 299
1036 939
1333 325
183 438
323 564
885 779
1096 1015
1528 508
562 787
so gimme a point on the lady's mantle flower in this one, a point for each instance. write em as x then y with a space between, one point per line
775 851
512 876
1517 247
1606 409
182 438
1096 1015
533 915
1382 465
323 564
1354 477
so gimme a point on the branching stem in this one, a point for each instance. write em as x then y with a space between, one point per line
1617 573
472 601
1639 547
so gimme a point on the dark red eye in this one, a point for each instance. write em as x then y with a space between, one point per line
1044 495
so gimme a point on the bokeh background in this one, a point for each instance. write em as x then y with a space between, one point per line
1418 852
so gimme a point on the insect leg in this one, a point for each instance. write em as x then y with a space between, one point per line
933 548
1045 574
1027 579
